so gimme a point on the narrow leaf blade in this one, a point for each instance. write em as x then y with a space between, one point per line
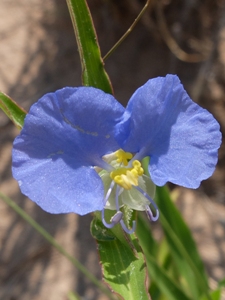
158 275
182 245
215 295
93 70
167 286
15 113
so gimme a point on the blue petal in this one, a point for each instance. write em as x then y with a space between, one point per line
181 138
64 135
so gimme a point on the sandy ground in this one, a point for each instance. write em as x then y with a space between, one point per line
37 51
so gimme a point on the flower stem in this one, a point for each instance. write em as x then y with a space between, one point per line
127 32
54 243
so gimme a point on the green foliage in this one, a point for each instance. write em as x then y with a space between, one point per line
174 264
93 72
182 245
122 260
15 113
158 265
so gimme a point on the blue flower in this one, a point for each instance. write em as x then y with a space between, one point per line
80 150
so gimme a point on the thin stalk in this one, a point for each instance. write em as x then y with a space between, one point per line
57 246
128 31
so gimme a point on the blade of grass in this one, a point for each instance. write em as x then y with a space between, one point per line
15 113
93 72
182 245
161 280
55 244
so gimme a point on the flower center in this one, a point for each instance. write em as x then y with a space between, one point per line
126 177
126 184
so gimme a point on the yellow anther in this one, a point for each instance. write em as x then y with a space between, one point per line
123 157
118 172
132 176
126 177
137 166
123 181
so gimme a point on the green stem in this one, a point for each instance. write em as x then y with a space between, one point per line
127 32
54 243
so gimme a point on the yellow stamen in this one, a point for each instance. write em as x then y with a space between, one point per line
123 157
137 166
126 177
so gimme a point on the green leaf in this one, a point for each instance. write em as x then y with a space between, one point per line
15 113
93 72
215 295
122 261
182 246
221 283
160 280
167 285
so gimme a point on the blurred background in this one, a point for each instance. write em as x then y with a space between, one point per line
38 54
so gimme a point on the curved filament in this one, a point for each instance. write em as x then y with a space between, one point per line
118 215
129 231
150 214
148 209
109 192
114 220
108 225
